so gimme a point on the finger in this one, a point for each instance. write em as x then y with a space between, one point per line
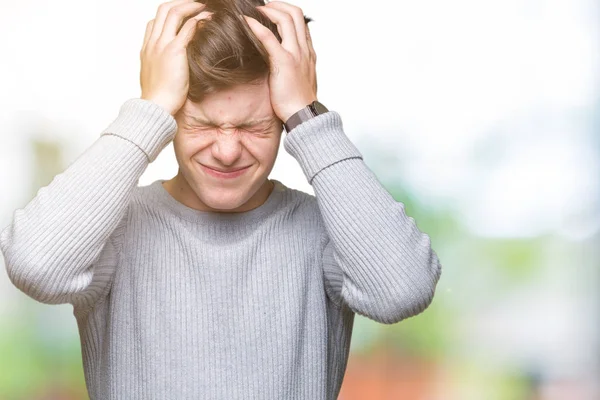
161 15
176 17
298 19
187 31
266 37
147 34
285 27
311 49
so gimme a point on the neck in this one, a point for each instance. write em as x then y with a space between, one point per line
180 190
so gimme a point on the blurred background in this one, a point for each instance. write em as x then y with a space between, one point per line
481 117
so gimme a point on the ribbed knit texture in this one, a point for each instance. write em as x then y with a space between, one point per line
177 303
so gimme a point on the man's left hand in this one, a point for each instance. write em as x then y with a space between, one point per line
292 78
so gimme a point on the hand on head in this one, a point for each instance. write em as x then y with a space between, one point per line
164 76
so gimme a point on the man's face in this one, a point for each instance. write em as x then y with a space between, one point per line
228 130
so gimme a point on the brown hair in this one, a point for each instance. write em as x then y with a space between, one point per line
224 52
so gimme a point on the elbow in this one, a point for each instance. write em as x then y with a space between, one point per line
23 279
402 290
408 305
395 306
37 285
28 281
43 282
22 273
414 299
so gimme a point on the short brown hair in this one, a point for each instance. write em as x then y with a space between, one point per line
224 52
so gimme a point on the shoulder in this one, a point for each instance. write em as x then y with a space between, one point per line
146 198
304 208
301 202
139 203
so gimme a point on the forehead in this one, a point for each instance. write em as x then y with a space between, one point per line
232 107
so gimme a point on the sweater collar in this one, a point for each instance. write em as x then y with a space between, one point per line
207 217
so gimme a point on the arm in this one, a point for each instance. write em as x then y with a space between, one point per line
62 246
375 259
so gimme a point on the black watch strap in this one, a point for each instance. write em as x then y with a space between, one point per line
310 111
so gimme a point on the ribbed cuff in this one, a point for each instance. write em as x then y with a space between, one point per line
146 124
319 142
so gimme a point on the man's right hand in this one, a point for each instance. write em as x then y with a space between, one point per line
164 75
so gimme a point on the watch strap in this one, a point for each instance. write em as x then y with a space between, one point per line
310 111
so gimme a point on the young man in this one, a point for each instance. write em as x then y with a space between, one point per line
220 283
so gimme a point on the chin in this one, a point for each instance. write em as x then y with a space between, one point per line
223 204
224 199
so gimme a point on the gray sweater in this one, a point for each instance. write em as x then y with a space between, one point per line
177 303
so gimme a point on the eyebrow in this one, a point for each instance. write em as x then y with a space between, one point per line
249 123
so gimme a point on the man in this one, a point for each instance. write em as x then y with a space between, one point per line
220 283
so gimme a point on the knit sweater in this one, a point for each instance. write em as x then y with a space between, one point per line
177 303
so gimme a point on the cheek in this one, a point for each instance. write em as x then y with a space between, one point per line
188 145
263 149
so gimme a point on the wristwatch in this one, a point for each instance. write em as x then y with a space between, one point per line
310 111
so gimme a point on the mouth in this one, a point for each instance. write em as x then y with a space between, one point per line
233 173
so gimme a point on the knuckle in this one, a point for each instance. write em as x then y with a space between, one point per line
295 7
158 48
172 48
289 58
163 9
174 12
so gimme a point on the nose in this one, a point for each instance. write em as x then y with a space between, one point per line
227 147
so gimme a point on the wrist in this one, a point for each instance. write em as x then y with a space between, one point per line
296 108
303 114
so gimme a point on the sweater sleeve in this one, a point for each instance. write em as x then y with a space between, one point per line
375 259
62 247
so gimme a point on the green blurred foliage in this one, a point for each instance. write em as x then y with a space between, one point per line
518 259
32 368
